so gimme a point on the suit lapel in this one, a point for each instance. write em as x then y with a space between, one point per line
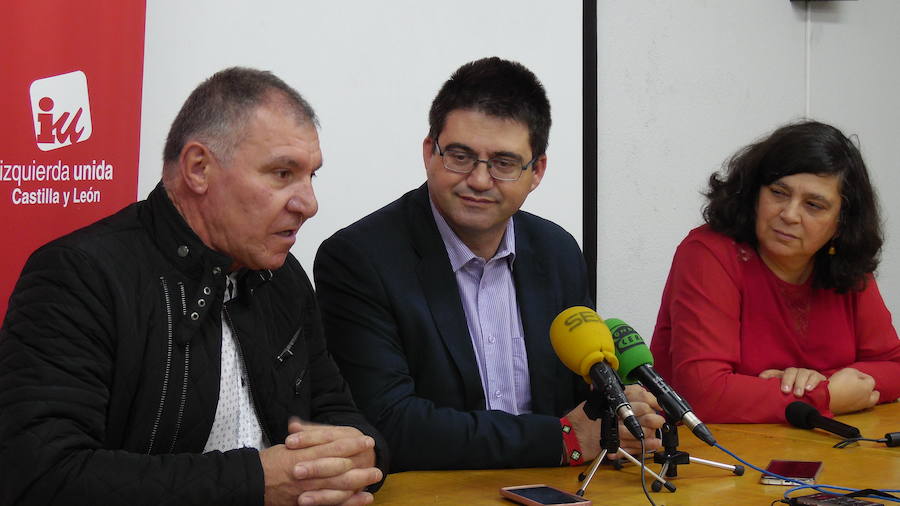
442 294
536 309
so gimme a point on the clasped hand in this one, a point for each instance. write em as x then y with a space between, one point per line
320 465
849 389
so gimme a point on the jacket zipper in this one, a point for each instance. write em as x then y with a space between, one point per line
165 386
240 350
184 385
287 351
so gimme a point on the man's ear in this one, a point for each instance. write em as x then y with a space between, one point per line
427 150
539 167
194 166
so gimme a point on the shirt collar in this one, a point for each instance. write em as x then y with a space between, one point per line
460 254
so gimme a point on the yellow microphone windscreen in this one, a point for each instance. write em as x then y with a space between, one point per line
581 339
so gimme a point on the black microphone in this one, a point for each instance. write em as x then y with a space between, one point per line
606 381
801 414
636 365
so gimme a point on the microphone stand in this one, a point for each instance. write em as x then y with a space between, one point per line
671 457
597 407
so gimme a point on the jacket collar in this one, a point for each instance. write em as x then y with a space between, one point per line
441 292
178 242
183 248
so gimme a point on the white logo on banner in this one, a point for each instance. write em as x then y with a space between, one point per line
62 113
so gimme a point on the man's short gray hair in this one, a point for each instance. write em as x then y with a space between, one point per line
217 110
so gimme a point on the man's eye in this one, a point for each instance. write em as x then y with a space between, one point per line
504 163
456 156
283 174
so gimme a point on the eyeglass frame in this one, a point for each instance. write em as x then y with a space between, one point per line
488 163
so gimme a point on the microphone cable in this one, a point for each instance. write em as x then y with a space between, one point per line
817 487
891 439
644 474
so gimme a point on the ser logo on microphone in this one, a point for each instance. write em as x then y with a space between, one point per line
576 320
625 337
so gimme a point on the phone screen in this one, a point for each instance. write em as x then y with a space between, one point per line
802 471
794 468
546 495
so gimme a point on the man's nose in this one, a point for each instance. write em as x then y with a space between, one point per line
303 201
480 177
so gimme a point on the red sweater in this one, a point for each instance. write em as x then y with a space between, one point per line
725 317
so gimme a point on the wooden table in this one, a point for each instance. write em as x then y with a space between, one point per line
863 465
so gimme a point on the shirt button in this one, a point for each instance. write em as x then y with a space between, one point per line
491 339
497 394
183 251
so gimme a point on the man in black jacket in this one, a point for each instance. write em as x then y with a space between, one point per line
158 355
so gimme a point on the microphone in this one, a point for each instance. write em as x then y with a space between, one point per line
801 414
636 366
583 343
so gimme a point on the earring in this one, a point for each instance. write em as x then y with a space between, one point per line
831 249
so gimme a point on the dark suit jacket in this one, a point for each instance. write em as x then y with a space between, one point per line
395 324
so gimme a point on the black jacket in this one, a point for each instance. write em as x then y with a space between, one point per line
397 328
110 360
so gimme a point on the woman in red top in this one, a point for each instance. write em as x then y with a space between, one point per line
773 300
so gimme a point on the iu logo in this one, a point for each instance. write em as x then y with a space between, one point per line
61 110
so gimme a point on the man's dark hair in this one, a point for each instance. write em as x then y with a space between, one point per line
806 147
496 87
219 107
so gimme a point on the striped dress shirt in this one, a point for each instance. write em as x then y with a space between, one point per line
488 296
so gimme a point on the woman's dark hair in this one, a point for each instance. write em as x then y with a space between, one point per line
806 147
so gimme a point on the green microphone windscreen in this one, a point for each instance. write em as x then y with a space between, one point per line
630 348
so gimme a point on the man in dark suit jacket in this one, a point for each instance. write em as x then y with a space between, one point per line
438 306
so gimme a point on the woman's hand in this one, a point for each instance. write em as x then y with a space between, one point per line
796 379
851 390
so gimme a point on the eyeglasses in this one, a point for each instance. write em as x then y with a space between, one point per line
501 168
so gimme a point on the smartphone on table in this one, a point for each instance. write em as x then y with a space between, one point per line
801 470
542 495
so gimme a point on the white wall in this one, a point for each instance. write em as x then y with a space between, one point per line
682 85
855 83
370 69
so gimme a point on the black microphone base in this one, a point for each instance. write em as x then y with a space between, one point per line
671 457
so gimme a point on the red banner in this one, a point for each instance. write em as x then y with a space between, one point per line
70 96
